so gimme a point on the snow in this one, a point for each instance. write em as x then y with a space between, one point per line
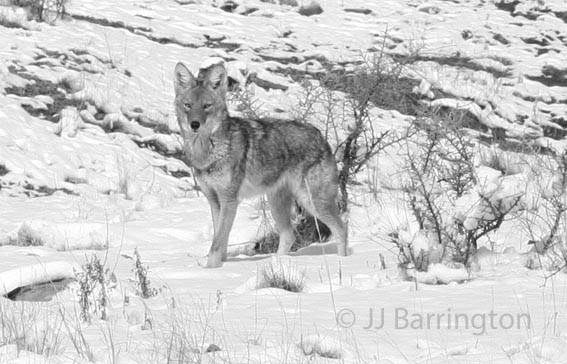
35 274
103 189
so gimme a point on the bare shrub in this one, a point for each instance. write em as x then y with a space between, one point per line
357 138
95 283
47 11
141 280
452 207
545 221
27 236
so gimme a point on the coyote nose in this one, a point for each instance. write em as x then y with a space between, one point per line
195 125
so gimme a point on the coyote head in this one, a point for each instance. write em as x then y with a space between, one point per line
200 101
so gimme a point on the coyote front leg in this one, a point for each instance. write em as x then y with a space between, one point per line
214 203
219 247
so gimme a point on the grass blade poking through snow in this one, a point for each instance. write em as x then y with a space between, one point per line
278 274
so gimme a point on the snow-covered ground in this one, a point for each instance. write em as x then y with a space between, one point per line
78 187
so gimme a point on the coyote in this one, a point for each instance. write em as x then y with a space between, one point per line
234 158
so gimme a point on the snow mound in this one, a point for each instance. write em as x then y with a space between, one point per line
323 346
62 236
542 350
35 275
320 249
441 274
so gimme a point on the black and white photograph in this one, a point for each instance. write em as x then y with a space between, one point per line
283 181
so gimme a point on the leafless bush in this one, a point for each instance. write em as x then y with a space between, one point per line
95 282
47 11
141 280
451 206
545 221
356 136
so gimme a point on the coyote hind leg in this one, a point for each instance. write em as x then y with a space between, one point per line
280 205
319 197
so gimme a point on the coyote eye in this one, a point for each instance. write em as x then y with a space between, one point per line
187 106
207 106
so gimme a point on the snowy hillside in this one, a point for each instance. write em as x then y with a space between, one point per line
91 166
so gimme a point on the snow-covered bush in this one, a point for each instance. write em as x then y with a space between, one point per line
415 249
324 347
454 203
13 18
545 220
44 10
60 236
283 275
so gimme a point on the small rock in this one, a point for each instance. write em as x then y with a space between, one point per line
289 2
500 38
246 10
429 9
212 348
466 34
313 8
364 11
187 2
229 6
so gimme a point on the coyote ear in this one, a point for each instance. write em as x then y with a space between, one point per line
215 77
182 78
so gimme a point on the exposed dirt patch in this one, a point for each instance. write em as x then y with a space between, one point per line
540 41
561 15
42 191
40 292
462 62
507 6
141 31
42 87
551 76
74 59
364 11
3 170
218 42
554 133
